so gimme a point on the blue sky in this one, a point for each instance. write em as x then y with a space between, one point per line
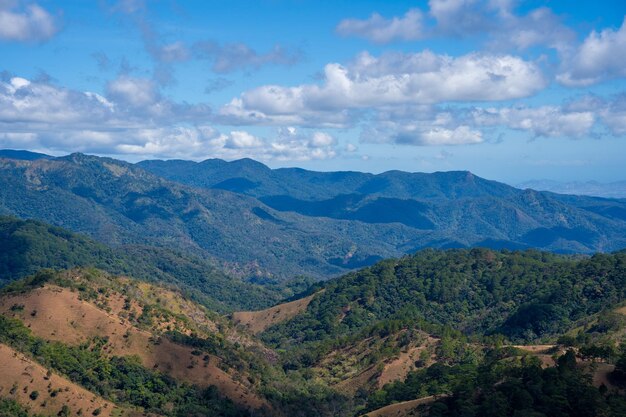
511 90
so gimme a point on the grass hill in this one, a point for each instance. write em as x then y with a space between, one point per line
129 342
436 331
431 331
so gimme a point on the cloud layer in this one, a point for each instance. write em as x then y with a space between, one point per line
135 119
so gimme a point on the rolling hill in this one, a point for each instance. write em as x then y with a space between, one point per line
422 331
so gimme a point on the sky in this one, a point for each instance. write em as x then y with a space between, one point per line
510 90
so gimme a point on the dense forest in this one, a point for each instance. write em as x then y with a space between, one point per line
525 295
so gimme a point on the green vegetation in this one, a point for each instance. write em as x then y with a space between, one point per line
26 246
505 385
466 303
278 224
525 296
11 408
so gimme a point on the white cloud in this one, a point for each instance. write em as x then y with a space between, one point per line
438 129
241 140
602 56
203 142
380 30
321 140
236 113
26 22
23 101
134 119
545 121
392 79
462 135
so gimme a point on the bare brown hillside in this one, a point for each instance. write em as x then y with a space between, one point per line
257 321
56 313
20 377
403 409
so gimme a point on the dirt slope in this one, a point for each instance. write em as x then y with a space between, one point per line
257 321
398 368
21 376
403 409
56 313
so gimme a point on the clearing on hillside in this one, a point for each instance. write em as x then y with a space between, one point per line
257 321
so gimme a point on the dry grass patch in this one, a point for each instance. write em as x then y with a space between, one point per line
58 314
257 321
22 377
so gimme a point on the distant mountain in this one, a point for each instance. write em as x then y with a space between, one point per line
23 155
451 209
120 204
255 179
590 188
265 224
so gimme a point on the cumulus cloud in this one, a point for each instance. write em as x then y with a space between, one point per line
135 119
544 121
380 30
600 57
238 56
26 22
129 103
392 79
236 113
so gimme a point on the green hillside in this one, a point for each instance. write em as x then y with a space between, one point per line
27 246
526 296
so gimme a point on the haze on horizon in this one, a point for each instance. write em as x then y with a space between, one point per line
510 90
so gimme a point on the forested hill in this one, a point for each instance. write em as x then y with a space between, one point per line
525 296
27 246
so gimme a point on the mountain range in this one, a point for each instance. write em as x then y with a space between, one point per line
266 224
